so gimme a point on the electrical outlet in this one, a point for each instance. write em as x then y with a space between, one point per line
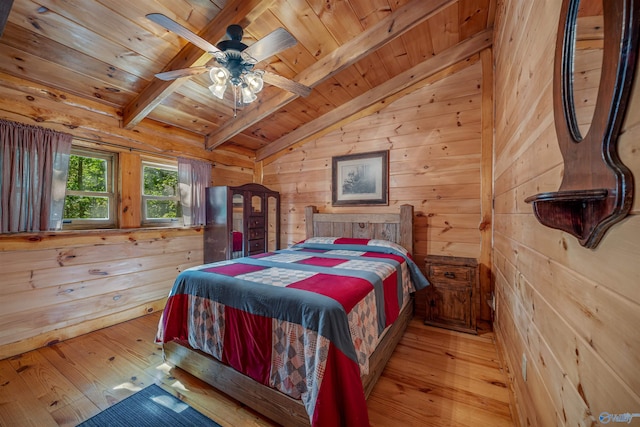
524 366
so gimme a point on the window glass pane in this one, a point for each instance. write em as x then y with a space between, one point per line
162 209
89 201
160 194
87 174
86 207
160 182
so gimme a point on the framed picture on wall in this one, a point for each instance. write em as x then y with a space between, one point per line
360 179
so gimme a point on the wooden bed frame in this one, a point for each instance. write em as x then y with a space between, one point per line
269 402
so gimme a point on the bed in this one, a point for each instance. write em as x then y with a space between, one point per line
314 324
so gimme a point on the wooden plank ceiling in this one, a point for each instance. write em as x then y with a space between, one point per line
352 53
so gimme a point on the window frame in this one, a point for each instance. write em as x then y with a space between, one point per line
159 222
111 194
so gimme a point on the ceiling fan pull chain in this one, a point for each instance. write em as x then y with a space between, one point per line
235 100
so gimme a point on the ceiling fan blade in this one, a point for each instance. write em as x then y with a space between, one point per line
271 44
184 72
286 84
183 32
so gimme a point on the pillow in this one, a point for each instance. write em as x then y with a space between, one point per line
388 244
357 241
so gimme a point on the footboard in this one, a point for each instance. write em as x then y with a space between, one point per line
267 401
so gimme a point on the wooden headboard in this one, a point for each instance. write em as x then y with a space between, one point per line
397 228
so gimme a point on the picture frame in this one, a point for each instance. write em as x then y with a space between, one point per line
360 179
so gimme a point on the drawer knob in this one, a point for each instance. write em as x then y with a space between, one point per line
449 275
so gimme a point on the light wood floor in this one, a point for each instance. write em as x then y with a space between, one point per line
434 378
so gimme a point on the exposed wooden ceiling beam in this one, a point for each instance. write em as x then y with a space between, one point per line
431 66
235 12
394 25
5 8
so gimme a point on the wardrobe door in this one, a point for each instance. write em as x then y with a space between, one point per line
273 222
216 230
237 240
257 224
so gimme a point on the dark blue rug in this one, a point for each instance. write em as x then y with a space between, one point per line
152 407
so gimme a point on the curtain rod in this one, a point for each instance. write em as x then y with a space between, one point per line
109 144
130 149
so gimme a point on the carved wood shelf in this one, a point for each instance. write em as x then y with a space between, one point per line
579 213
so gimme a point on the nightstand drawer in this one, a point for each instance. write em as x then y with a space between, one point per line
450 274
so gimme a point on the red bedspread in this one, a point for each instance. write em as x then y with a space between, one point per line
303 320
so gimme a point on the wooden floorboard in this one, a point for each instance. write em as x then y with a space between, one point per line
435 378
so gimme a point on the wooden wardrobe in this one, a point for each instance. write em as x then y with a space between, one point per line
241 221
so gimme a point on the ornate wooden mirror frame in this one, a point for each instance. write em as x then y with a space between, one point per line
597 189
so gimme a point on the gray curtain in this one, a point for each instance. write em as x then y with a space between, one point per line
194 176
34 163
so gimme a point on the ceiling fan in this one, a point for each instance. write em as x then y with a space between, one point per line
236 61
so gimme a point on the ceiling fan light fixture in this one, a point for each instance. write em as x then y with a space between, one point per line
247 96
247 59
218 90
219 75
254 81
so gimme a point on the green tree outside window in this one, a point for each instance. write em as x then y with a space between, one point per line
160 192
87 189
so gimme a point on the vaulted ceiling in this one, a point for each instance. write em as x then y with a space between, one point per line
352 53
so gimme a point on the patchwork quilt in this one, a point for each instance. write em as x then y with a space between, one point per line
302 320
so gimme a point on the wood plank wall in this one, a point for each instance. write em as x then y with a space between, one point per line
58 285
572 312
55 286
434 138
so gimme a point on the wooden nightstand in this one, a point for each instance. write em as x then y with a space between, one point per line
451 298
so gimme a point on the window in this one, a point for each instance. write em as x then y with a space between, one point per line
160 196
90 199
93 190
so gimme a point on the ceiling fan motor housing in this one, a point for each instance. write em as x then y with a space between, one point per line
235 33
